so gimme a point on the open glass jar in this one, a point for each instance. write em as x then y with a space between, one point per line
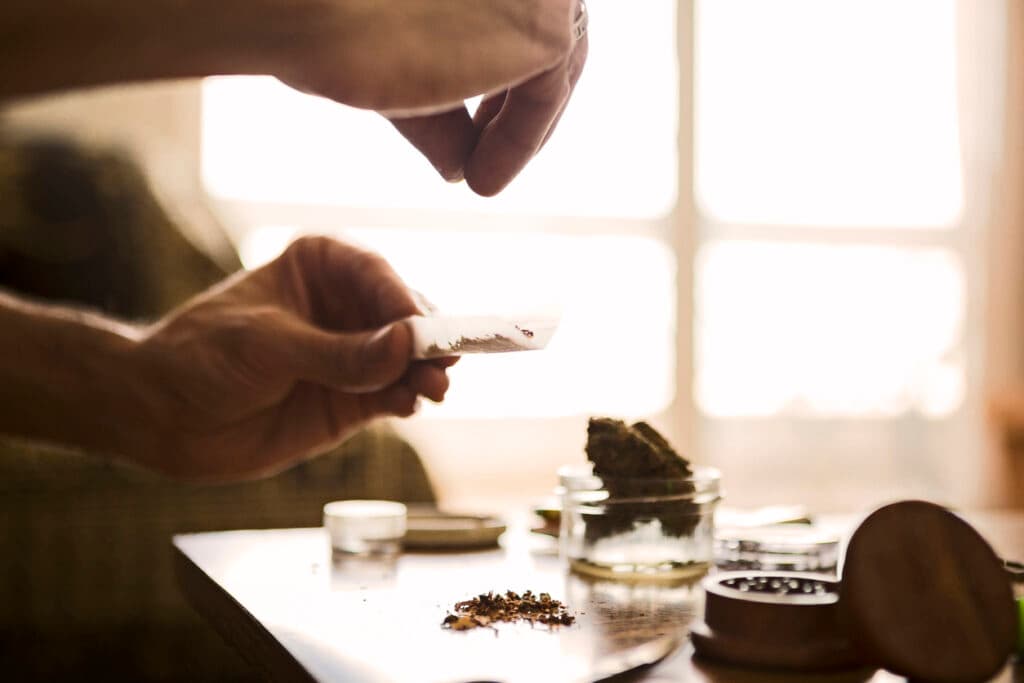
636 529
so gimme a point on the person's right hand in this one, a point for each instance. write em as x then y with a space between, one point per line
416 62
276 364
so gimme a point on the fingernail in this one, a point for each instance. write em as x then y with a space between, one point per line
456 176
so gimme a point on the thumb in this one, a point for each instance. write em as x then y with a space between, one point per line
445 139
358 362
368 361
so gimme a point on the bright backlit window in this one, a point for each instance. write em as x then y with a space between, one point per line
827 112
814 330
269 150
817 119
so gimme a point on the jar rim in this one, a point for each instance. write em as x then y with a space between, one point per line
584 473
697 501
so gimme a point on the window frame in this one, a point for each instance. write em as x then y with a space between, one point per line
536 443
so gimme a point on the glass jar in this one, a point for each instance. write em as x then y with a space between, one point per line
637 529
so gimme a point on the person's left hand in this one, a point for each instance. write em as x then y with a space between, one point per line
417 62
507 130
278 364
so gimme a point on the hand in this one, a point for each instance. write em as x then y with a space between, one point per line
416 62
280 363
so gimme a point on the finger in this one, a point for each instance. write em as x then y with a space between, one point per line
397 400
357 362
445 139
311 420
338 285
426 379
512 138
342 413
488 109
445 362
425 305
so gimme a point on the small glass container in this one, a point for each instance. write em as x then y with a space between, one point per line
638 529
365 527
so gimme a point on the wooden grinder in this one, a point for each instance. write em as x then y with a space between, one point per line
922 595
777 620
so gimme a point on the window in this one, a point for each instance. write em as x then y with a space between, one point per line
825 115
828 113
830 283
831 286
818 330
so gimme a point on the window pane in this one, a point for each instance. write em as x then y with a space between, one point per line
813 330
614 352
614 153
827 112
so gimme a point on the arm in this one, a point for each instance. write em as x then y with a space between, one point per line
259 372
66 377
415 61
396 56
48 45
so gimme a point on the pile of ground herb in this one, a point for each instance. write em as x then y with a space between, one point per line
636 462
491 343
490 608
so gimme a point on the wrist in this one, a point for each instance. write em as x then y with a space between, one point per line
70 378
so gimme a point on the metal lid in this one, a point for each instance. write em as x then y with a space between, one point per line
779 547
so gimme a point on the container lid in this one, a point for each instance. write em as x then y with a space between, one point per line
365 519
431 528
924 596
779 547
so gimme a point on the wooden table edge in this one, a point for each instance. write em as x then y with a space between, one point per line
235 624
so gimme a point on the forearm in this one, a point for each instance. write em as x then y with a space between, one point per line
68 377
49 45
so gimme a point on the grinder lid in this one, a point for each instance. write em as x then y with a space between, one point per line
923 595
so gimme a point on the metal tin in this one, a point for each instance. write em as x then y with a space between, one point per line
780 547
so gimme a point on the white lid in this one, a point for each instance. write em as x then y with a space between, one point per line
364 519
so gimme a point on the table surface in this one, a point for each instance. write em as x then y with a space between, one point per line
297 612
